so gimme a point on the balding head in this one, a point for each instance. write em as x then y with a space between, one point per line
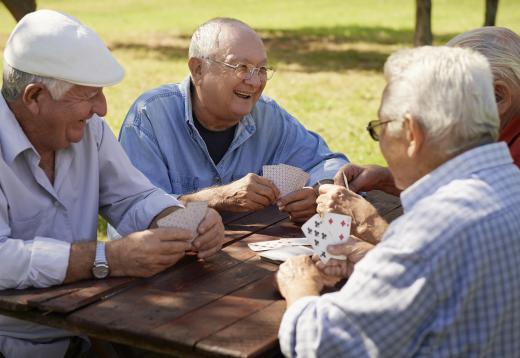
209 37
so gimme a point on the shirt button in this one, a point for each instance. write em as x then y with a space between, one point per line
56 203
217 180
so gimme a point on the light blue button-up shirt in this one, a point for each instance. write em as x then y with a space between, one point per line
162 141
444 282
39 220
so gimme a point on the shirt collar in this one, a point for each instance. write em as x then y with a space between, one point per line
474 160
510 131
245 122
13 140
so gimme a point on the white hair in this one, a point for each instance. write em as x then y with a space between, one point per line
500 46
204 41
15 81
449 91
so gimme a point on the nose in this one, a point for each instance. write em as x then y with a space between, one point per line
254 77
99 104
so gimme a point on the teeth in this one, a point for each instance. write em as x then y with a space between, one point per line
243 93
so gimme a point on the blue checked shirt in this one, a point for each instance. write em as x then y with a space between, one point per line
444 281
161 140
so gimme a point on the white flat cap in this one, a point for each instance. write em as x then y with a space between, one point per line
51 44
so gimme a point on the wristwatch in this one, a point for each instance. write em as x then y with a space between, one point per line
100 268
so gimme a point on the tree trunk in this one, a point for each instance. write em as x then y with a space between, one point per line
423 18
19 8
491 12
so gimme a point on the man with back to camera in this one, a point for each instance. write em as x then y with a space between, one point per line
445 279
208 137
501 47
59 165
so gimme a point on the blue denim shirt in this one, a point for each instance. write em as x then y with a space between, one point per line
162 141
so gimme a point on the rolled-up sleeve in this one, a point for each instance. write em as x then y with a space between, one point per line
41 262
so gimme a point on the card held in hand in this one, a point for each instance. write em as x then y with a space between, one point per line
187 218
333 229
286 177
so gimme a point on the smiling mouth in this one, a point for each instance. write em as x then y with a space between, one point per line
243 95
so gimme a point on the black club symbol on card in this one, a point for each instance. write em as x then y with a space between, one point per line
317 223
323 236
322 254
316 242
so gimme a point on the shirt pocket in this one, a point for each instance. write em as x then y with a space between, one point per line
184 184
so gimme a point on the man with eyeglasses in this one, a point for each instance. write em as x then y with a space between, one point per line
445 279
501 47
208 137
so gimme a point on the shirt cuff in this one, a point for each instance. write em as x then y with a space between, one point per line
287 331
49 262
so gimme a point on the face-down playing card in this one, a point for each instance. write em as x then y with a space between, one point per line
188 218
286 178
333 229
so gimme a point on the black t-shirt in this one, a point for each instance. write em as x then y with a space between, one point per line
217 142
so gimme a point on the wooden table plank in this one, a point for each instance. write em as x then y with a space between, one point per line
70 297
256 335
219 314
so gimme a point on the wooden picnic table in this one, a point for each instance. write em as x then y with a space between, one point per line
223 306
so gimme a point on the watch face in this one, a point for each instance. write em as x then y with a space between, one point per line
100 271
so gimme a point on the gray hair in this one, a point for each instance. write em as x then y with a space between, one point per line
448 90
204 41
500 46
15 81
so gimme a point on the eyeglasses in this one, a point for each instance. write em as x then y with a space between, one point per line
374 128
246 72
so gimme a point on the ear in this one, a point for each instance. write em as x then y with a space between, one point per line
195 66
32 95
414 134
503 97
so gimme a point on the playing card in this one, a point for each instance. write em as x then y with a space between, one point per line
275 244
338 226
188 218
317 233
333 229
286 178
281 254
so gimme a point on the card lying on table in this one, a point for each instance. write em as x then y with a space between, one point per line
188 218
281 254
275 244
286 177
333 229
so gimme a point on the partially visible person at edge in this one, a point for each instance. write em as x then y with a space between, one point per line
60 165
445 279
501 47
208 137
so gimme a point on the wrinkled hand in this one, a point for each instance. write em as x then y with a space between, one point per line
249 193
300 204
366 222
366 178
211 235
298 277
145 253
355 249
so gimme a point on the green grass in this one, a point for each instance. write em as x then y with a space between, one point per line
328 53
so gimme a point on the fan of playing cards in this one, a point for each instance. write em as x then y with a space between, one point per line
286 177
332 229
188 218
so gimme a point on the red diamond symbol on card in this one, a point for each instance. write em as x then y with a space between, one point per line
331 221
342 222
341 237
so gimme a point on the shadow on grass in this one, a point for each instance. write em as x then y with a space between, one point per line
311 49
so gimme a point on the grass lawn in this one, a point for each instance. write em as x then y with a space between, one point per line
328 54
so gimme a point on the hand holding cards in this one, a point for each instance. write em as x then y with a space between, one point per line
286 178
186 218
333 229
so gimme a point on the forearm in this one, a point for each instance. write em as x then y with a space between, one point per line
212 195
294 294
387 183
81 259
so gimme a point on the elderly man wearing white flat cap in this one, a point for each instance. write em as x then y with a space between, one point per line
60 165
